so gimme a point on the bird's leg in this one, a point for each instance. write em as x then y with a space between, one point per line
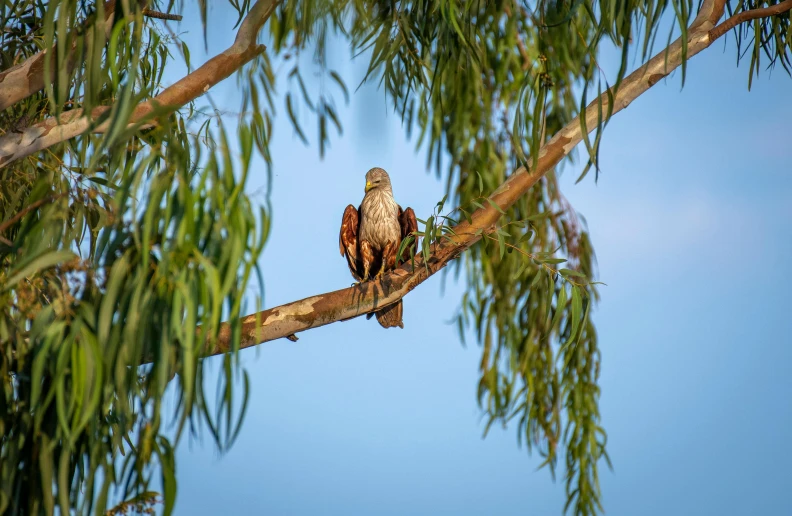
367 256
388 259
358 280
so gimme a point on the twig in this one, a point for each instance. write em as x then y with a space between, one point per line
520 44
528 255
27 209
161 16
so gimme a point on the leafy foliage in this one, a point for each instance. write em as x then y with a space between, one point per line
126 242
130 246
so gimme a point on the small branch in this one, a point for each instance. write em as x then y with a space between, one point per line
520 44
551 270
76 122
27 209
161 16
523 52
745 16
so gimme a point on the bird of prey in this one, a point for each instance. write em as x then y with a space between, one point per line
372 234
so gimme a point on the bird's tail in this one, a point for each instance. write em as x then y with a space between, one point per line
391 315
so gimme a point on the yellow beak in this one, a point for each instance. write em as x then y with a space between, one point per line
369 186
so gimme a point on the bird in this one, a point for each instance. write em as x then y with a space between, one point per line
371 235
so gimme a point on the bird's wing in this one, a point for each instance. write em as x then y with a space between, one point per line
348 239
408 224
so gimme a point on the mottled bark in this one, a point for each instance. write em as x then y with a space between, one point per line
312 312
14 146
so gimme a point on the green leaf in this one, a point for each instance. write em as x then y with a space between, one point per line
168 468
341 85
439 205
295 124
537 216
526 236
574 317
552 261
186 53
495 205
405 243
560 307
40 263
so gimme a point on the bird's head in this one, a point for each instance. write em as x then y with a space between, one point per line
377 178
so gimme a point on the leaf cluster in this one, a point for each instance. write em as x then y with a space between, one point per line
118 249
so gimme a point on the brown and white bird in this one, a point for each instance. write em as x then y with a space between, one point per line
372 234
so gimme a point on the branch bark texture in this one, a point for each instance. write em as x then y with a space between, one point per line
14 146
286 320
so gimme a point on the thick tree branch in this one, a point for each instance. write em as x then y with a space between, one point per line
23 80
285 320
711 11
40 136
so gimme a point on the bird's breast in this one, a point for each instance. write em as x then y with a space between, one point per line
379 220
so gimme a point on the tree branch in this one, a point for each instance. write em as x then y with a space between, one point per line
745 16
23 80
161 16
711 11
340 305
40 136
27 209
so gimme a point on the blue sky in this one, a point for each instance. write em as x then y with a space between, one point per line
691 223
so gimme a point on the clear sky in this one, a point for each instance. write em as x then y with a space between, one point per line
691 223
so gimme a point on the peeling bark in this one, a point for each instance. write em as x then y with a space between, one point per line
289 319
14 146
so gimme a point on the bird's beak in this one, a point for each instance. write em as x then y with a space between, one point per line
368 186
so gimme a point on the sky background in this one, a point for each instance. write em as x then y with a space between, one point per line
691 224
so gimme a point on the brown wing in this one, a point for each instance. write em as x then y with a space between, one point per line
348 240
408 224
